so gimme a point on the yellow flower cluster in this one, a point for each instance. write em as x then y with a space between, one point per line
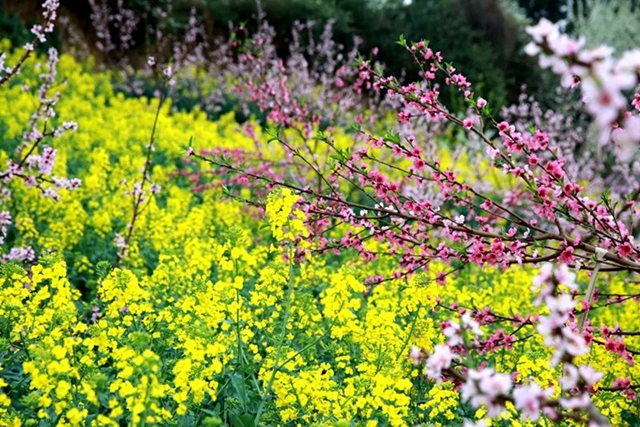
279 208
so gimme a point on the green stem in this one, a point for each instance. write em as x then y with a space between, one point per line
283 334
590 291
307 347
242 357
413 327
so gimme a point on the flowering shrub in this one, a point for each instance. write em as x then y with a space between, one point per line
545 215
354 278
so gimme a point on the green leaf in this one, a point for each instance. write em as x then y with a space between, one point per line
242 420
393 137
240 388
103 268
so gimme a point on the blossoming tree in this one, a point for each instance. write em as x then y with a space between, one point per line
391 188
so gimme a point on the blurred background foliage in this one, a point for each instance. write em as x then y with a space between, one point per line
483 38
614 23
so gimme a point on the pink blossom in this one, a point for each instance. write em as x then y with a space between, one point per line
471 324
453 333
545 29
560 303
528 400
625 249
51 193
555 168
503 126
415 355
627 138
581 401
544 275
590 375
495 385
604 100
484 387
570 377
20 254
439 361
565 276
567 255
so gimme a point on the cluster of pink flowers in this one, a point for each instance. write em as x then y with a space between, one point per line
40 31
483 387
603 80
567 341
50 13
5 221
585 160
35 167
33 162
20 254
530 157
315 84
122 20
